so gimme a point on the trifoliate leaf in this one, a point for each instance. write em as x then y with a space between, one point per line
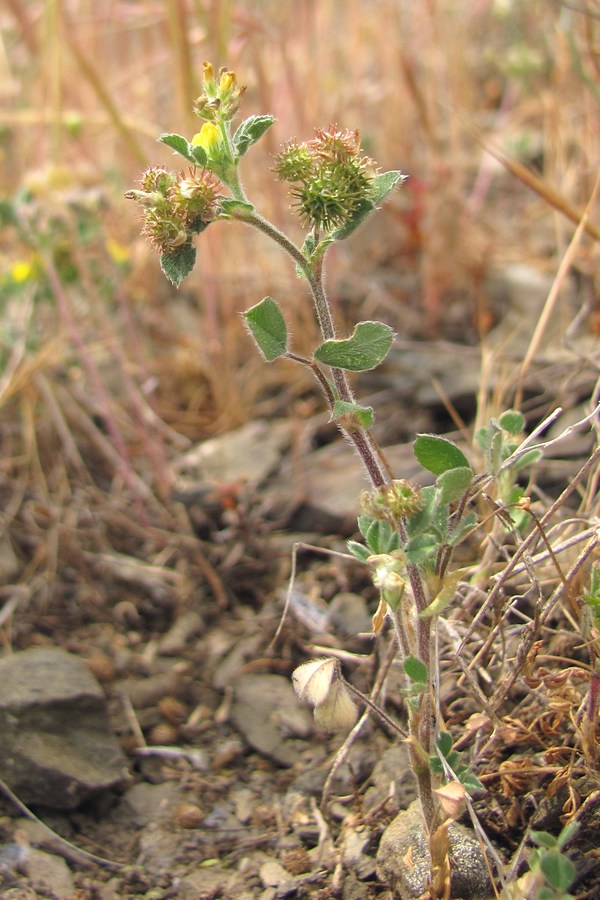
178 264
366 348
268 328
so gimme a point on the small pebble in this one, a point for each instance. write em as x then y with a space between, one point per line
188 815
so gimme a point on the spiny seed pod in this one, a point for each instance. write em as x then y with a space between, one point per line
166 232
400 500
293 163
157 178
197 195
337 144
405 499
331 194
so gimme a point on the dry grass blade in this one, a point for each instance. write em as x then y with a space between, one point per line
542 189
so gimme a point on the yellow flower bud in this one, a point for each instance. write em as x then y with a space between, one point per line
227 82
209 72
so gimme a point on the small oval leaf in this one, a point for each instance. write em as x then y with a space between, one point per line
178 143
438 454
366 348
268 328
384 184
363 415
415 669
178 264
453 483
236 209
197 154
512 421
558 869
250 131
359 551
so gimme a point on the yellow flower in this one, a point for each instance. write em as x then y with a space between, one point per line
119 253
208 137
21 271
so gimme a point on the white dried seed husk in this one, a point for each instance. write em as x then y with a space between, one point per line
337 712
313 680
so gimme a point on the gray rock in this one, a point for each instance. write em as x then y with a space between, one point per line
404 839
355 855
524 291
145 802
56 745
335 479
273 873
267 713
349 615
392 780
49 875
248 454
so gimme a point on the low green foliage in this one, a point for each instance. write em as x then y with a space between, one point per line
550 862
452 758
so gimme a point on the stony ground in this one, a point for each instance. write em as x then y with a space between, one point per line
218 784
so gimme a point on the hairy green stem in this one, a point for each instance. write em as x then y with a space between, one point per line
364 443
420 721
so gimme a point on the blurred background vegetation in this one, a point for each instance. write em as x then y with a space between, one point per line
106 370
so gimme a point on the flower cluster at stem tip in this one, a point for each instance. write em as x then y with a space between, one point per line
328 178
177 205
221 98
